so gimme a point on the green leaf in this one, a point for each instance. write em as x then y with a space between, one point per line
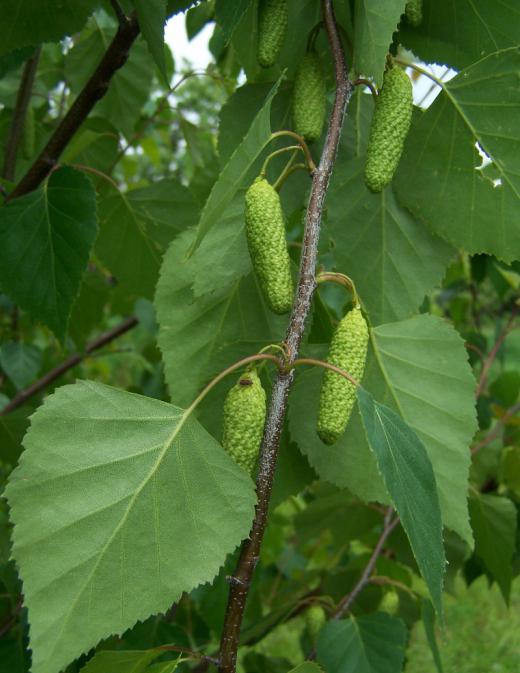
126 661
151 15
229 14
307 667
372 644
29 22
234 171
457 34
88 309
393 259
129 88
493 519
116 525
45 242
375 24
12 429
410 480
419 368
439 178
428 618
199 336
20 362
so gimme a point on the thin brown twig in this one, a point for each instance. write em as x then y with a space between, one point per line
510 413
23 99
96 87
67 364
241 580
488 362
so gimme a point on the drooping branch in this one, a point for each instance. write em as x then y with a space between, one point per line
19 115
96 87
69 363
241 580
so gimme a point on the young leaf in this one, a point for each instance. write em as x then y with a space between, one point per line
114 526
493 519
410 480
126 661
439 178
151 15
392 257
371 644
45 242
234 171
375 24
20 362
307 667
35 21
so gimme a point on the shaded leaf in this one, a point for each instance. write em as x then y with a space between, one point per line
428 618
45 241
20 362
127 661
410 480
116 526
228 15
151 15
493 519
372 644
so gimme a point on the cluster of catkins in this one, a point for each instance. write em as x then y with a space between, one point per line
245 404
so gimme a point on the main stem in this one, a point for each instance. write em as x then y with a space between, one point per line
241 580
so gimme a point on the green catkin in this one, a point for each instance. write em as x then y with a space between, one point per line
309 98
265 231
28 134
389 128
348 351
315 620
244 418
413 12
272 27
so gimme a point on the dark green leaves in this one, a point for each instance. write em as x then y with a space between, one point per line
371 644
439 178
45 242
29 22
229 14
120 504
410 480
152 15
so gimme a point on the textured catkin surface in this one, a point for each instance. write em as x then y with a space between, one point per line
244 418
265 231
390 124
309 98
348 351
413 12
272 27
315 619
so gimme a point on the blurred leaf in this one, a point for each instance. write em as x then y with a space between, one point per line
371 644
493 520
87 312
98 521
45 242
12 430
20 362
29 22
428 617
410 480
439 179
151 15
510 469
126 661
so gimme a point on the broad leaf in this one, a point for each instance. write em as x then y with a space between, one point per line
409 478
307 667
228 15
151 15
130 86
372 644
20 362
116 525
199 336
493 519
12 430
393 258
375 24
458 34
439 178
29 22
234 171
419 368
45 242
